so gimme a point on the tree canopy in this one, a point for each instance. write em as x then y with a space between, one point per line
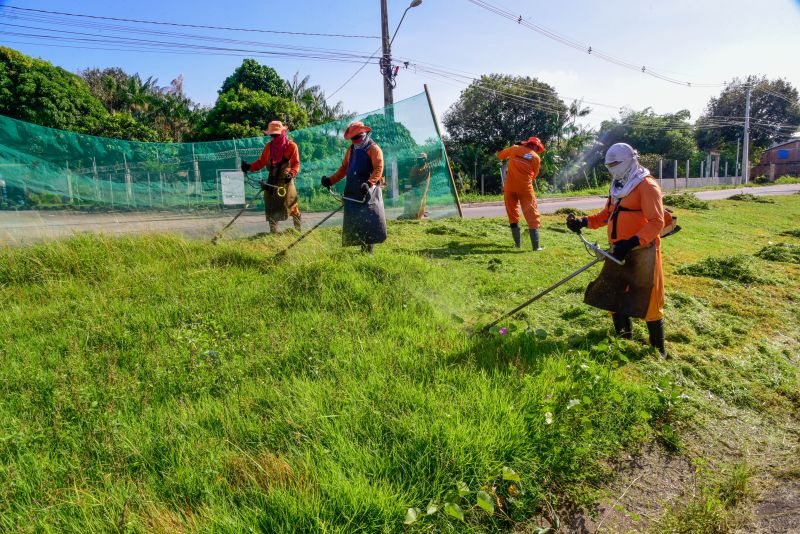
35 91
774 113
498 110
256 77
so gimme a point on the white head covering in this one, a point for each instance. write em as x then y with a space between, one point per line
627 174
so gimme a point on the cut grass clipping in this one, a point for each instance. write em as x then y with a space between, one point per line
739 268
792 233
784 252
566 211
748 197
687 201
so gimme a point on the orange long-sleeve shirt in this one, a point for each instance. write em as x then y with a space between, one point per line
645 221
523 167
290 152
375 155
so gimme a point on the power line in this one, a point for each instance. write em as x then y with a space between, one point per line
348 80
185 25
567 41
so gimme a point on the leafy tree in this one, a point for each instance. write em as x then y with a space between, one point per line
669 135
35 91
256 77
312 99
123 126
774 113
246 113
498 110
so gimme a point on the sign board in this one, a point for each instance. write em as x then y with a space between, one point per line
232 186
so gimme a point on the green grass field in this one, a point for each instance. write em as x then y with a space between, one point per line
154 384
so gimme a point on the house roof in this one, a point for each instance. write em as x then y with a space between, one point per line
788 141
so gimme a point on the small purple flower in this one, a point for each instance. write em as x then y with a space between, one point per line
503 331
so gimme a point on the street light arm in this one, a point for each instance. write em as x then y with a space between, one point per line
398 25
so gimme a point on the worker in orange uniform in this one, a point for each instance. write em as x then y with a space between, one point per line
635 218
364 220
523 168
281 158
416 188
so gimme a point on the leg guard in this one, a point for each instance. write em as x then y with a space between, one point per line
534 232
273 227
515 234
623 326
656 331
297 223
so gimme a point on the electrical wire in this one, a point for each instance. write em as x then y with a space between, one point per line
184 25
567 41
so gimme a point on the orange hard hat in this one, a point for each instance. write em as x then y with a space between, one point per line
356 128
535 143
276 127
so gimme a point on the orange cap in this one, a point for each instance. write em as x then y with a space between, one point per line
535 143
356 128
276 127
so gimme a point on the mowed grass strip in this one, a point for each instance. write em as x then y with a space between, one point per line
157 384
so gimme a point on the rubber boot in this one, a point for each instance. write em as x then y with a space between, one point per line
534 232
368 249
515 234
656 331
273 227
297 223
623 326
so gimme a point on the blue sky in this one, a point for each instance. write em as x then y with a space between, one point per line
698 40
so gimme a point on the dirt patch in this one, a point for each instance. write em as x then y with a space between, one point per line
645 485
778 508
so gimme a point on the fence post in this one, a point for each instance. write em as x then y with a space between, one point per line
198 183
69 183
675 175
726 169
660 173
482 188
95 180
111 190
128 185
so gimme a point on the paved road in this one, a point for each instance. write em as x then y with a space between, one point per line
30 226
550 205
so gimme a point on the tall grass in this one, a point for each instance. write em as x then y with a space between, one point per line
156 384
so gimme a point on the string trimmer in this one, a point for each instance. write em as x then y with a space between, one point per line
593 249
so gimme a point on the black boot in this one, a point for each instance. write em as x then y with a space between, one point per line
368 249
623 326
534 232
656 331
515 235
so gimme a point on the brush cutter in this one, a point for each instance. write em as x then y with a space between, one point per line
341 200
592 248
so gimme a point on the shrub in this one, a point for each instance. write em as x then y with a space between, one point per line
567 211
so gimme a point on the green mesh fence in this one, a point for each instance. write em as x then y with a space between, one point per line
46 169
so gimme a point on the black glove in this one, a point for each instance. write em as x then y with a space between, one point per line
326 182
263 185
245 167
575 224
288 177
365 188
622 248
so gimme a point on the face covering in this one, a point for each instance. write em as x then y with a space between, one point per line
359 140
620 171
278 147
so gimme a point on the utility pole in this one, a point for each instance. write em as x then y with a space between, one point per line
746 145
737 165
386 64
